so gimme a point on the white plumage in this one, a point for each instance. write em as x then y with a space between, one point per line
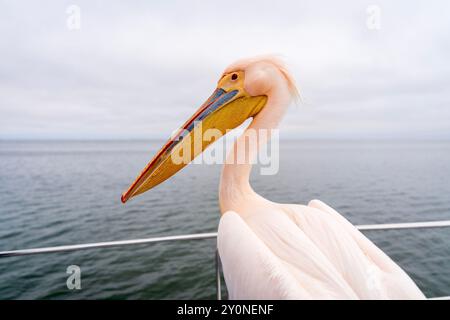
306 252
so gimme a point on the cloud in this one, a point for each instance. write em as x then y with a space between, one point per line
139 71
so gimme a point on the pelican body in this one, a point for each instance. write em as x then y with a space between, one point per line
270 250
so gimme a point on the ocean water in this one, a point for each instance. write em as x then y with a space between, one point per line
57 193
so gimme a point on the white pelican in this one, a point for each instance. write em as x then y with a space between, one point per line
271 250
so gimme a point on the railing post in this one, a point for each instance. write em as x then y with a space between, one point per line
218 286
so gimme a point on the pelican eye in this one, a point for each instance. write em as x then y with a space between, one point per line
234 76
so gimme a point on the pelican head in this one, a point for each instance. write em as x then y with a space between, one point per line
242 92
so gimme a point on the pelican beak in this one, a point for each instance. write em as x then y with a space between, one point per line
228 107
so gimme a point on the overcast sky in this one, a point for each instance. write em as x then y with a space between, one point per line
139 69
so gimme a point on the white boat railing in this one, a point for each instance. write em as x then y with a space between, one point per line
210 235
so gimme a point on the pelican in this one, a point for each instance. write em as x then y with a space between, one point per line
271 250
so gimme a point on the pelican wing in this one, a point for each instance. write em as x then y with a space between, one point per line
268 257
306 252
251 269
370 272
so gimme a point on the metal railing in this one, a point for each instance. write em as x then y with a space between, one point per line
199 236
